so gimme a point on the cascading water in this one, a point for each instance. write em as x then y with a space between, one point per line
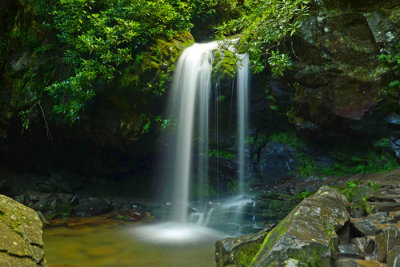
242 102
189 110
192 80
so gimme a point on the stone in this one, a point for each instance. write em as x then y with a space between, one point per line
387 240
366 226
393 119
21 242
395 215
370 245
90 207
277 160
349 262
239 251
366 245
350 250
393 257
384 206
308 233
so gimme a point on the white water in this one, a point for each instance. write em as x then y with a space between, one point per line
242 107
190 104
192 80
189 107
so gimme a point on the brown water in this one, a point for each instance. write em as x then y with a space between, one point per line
98 245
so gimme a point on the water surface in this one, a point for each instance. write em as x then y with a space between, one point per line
98 245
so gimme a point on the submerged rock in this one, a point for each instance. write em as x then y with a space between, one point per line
21 232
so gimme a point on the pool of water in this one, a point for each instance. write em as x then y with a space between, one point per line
120 245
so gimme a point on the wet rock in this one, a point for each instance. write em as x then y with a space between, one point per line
276 160
393 119
21 232
384 206
344 234
239 251
393 257
308 232
386 241
366 226
366 245
91 207
370 246
395 215
359 242
394 145
349 262
350 250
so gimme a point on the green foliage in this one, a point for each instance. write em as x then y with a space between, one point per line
289 138
4 49
98 37
372 162
202 191
279 62
301 196
392 61
207 14
225 65
264 25
221 154
382 143
259 140
306 166
357 195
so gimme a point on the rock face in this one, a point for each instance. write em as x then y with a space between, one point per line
321 232
339 69
21 241
238 251
306 236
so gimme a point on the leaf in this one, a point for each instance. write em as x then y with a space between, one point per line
395 83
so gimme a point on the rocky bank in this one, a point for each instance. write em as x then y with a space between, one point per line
329 229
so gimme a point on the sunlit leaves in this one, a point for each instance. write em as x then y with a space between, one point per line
99 36
263 27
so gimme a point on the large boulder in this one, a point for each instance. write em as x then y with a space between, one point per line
238 251
21 232
306 237
308 234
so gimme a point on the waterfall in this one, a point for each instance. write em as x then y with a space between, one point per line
242 114
189 105
192 81
187 153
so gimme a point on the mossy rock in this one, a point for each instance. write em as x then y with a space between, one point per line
239 251
307 235
21 242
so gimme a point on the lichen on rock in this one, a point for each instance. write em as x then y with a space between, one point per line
21 232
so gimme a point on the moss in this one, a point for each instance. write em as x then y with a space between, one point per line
271 239
157 63
221 154
288 138
13 222
246 254
225 66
